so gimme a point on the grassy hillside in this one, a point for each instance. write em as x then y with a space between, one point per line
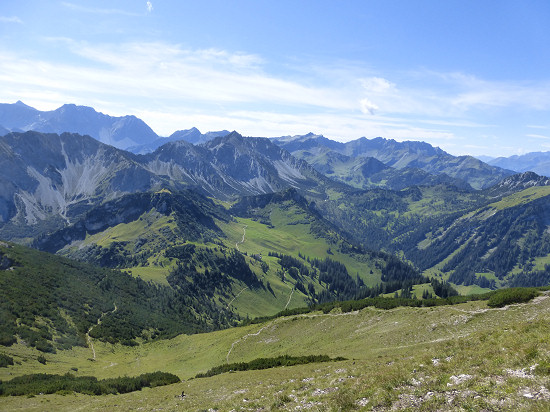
502 244
483 240
287 254
467 356
53 303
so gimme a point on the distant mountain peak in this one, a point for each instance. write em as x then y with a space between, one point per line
538 162
234 133
122 132
20 103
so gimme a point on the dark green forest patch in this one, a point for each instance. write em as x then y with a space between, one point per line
42 383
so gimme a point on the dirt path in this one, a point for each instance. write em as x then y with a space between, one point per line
243 239
282 319
244 338
236 296
290 297
237 247
88 338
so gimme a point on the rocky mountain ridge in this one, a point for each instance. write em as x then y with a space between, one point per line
53 178
318 150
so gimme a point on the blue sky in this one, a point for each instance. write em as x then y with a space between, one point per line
472 77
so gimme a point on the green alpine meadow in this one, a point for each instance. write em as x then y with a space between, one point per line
256 206
315 294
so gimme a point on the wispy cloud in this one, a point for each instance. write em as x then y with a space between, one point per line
12 19
149 6
97 10
173 87
475 93
539 136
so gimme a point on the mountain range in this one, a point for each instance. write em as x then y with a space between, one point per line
126 132
48 178
121 259
538 162
407 198
352 161
51 182
132 134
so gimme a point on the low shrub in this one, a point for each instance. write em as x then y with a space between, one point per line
5 360
90 385
266 363
505 297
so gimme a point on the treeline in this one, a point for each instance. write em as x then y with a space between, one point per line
340 285
267 363
193 214
43 290
43 383
5 360
534 278
203 271
400 276
511 238
294 266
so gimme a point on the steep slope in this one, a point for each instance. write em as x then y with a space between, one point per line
278 252
432 160
368 172
235 165
188 217
17 115
493 238
400 155
48 179
194 136
121 132
516 183
53 303
505 243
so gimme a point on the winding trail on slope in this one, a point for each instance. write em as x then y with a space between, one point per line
282 319
290 297
244 338
243 239
88 338
236 296
237 247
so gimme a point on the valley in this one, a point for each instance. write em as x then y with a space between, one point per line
381 258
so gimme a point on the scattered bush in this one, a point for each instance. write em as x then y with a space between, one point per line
5 360
7 339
